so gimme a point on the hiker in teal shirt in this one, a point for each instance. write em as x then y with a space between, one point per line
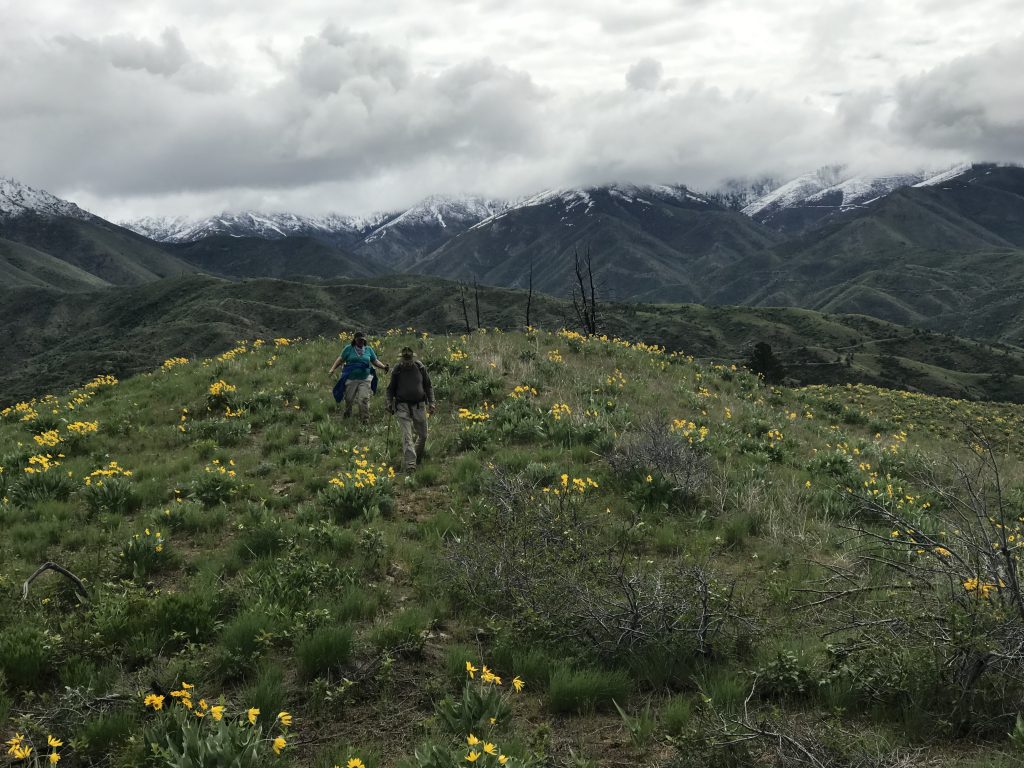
357 380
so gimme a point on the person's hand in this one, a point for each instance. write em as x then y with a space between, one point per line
432 409
386 367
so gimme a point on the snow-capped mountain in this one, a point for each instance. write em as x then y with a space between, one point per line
448 213
17 198
813 197
576 200
268 226
426 226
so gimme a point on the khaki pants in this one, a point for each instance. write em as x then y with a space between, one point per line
413 420
358 392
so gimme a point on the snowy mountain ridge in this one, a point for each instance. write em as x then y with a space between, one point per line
269 226
442 211
17 198
571 198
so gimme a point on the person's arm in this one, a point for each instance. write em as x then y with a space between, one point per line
337 364
391 392
428 389
376 363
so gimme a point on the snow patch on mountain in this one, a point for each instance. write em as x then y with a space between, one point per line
269 226
948 175
834 188
574 200
455 213
799 189
17 199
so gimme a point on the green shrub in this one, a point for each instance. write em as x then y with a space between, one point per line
178 739
25 656
192 517
472 436
404 632
586 690
190 615
742 527
345 499
676 715
786 676
222 432
480 705
217 485
324 651
205 449
261 540
355 604
115 495
242 641
33 487
98 735
468 473
144 554
267 693
530 663
726 688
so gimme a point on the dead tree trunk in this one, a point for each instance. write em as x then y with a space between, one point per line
584 297
465 308
476 299
529 295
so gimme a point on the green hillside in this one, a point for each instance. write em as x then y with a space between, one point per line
56 339
106 251
25 267
663 244
682 567
292 257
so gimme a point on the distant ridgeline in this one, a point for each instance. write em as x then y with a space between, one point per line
59 339
942 254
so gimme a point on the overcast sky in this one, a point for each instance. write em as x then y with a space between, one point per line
142 107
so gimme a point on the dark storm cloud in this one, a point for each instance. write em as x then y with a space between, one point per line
974 104
343 107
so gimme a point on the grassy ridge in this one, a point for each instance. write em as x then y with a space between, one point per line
58 340
228 558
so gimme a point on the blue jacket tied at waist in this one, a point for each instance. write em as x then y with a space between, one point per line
348 370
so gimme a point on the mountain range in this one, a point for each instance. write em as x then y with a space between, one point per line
943 251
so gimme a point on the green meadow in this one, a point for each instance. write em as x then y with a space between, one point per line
612 555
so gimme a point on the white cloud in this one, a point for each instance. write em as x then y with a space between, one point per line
155 107
645 75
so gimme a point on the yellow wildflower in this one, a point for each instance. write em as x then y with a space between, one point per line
518 684
217 712
279 744
470 669
471 739
285 719
252 714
